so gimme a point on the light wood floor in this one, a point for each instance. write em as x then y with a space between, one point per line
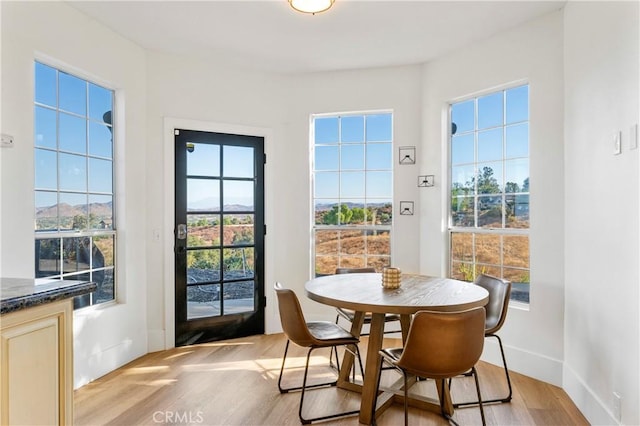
234 382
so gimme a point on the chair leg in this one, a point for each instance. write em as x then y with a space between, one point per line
506 372
442 411
406 398
475 376
357 354
336 365
335 350
284 358
405 389
304 387
296 388
353 367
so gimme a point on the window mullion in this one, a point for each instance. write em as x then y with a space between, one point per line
472 241
341 236
82 241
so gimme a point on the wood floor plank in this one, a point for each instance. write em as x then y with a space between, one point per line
234 382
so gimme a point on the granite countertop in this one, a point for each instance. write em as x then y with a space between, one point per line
22 293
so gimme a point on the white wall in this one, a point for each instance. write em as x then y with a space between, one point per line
210 96
531 52
204 95
602 233
106 337
573 333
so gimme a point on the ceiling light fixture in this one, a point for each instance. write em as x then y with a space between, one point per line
311 6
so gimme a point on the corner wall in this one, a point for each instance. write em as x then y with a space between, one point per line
105 337
602 229
532 53
213 95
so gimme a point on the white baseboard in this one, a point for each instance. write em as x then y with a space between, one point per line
555 372
88 369
587 402
530 364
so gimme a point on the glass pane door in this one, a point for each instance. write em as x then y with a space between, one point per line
219 236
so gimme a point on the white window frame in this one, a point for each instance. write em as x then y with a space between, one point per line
366 227
478 230
90 234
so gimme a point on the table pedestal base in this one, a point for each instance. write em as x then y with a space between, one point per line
395 394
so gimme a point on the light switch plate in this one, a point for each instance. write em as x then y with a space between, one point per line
617 145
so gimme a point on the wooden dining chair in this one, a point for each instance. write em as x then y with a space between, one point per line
497 307
440 345
312 335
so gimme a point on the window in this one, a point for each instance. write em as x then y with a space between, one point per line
74 227
352 190
489 204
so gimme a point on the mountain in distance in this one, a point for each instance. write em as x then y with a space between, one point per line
67 210
213 204
106 209
227 208
329 206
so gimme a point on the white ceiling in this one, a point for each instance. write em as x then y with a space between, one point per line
269 35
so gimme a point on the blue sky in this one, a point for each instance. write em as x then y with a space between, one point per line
353 154
485 119
69 116
205 161
360 146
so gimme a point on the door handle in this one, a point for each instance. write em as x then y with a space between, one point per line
182 232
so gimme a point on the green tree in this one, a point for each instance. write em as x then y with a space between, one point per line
238 259
512 188
243 235
459 189
79 222
338 215
360 215
202 259
487 183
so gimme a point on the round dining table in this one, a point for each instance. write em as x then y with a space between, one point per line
363 293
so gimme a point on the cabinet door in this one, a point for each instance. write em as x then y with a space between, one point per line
35 369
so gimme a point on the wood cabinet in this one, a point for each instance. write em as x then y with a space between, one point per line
36 365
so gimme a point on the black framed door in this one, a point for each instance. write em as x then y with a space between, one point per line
219 236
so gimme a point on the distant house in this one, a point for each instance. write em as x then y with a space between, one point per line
105 224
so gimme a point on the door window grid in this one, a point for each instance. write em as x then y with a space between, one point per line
232 269
220 235
73 152
352 190
489 204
